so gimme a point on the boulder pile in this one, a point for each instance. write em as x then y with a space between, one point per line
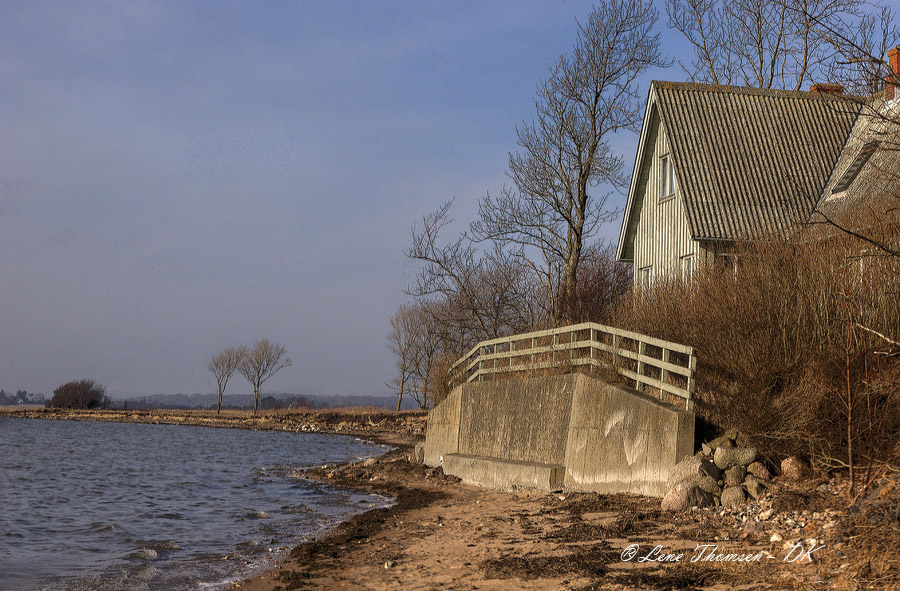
720 474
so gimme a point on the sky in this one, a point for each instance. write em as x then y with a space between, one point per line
179 177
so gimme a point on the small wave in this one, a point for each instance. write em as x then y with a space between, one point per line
97 527
257 515
144 554
159 545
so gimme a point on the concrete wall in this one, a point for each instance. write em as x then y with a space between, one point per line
623 441
606 438
442 433
520 420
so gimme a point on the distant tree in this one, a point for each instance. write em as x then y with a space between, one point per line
223 365
80 394
260 363
402 342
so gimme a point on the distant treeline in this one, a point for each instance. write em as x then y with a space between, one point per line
243 401
21 397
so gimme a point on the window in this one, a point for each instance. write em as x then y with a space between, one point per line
850 174
645 276
667 183
687 268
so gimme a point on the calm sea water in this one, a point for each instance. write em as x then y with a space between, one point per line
97 506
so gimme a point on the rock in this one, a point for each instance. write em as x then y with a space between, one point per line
793 469
370 462
755 487
706 449
726 457
734 476
685 495
692 470
419 453
708 484
733 496
723 441
760 471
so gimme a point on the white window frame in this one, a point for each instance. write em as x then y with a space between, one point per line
668 184
688 264
645 277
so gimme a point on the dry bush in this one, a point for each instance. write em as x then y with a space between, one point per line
794 344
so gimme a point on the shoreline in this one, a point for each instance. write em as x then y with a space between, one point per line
380 426
444 534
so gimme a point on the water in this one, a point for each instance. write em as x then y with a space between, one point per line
89 505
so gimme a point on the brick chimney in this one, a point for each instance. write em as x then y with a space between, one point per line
889 83
829 88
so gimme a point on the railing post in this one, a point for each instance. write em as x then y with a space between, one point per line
640 365
591 340
555 345
663 372
572 348
480 364
692 366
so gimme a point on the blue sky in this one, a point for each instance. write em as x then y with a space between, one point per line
180 177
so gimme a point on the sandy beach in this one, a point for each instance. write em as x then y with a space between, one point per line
443 534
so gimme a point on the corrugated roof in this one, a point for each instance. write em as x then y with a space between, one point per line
750 161
875 188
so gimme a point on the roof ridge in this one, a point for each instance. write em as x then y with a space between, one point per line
773 92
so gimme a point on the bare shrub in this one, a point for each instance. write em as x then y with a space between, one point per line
797 345
79 394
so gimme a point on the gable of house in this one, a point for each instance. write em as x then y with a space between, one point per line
749 162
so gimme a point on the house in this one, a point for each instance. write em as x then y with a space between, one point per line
720 164
863 190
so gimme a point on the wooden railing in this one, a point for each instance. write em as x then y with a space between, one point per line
648 364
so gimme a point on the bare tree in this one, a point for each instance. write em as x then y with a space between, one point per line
402 342
551 209
260 363
860 45
222 365
487 294
428 348
765 44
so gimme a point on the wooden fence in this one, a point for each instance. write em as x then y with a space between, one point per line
648 364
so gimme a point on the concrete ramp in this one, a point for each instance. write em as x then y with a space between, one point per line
570 430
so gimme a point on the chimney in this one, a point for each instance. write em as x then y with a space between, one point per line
829 88
890 81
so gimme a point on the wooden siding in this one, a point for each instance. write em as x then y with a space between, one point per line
662 236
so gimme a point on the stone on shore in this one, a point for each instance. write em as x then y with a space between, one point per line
755 487
759 470
793 469
733 496
723 441
726 457
692 470
734 476
685 495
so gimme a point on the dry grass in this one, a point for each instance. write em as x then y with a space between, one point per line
795 346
